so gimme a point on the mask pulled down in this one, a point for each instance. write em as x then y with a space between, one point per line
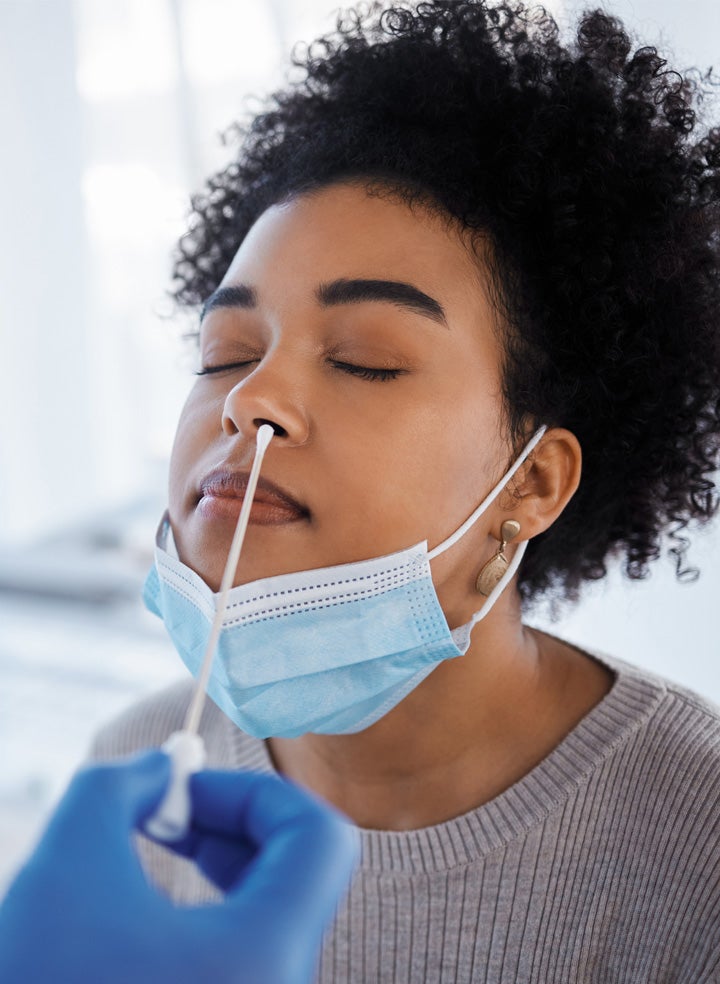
328 651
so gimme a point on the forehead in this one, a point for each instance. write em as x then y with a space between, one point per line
343 231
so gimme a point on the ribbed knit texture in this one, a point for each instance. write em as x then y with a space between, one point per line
601 865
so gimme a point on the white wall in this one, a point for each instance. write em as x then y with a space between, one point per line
44 382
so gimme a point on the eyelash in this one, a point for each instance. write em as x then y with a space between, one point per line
365 372
211 370
361 372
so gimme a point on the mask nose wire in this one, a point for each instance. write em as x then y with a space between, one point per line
473 518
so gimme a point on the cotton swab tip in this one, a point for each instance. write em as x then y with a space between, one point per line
265 434
171 820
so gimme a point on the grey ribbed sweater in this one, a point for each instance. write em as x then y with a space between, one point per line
601 865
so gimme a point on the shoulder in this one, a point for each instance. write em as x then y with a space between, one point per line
661 810
673 705
685 732
678 709
671 748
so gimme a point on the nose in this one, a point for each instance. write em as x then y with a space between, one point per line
270 394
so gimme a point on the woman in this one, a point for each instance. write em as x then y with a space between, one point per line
450 232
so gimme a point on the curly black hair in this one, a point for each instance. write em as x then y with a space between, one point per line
582 165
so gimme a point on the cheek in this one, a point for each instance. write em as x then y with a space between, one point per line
422 470
467 459
193 433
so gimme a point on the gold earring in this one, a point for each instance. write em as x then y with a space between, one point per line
498 563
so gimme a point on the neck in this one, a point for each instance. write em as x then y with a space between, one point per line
447 747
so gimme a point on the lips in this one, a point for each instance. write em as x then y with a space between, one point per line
228 488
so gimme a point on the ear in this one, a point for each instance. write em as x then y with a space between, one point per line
545 483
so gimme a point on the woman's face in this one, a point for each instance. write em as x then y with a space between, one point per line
359 328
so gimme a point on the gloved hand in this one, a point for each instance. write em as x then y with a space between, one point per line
82 912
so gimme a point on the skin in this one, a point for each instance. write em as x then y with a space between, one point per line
379 466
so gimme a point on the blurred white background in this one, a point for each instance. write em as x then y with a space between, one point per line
110 112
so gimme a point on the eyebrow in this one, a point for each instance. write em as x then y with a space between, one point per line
239 296
392 291
341 291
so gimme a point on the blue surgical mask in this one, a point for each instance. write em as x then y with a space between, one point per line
328 651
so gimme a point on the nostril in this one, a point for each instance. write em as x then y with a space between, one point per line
279 431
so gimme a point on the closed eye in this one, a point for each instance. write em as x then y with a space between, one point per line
366 372
225 367
362 372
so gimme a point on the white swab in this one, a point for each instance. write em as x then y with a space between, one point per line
186 748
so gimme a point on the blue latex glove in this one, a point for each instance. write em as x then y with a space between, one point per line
82 912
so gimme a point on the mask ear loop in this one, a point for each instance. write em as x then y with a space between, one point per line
521 548
489 498
171 820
